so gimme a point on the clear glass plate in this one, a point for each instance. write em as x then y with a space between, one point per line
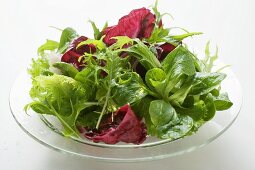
40 128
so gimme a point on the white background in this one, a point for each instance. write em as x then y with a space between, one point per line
227 23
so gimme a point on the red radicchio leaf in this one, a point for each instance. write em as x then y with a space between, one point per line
89 48
72 57
160 24
163 50
73 53
141 70
147 26
126 127
139 23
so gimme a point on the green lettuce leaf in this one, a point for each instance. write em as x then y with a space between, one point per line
39 66
49 45
62 97
128 88
66 69
68 34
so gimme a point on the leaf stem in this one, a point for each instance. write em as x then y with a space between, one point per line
104 107
63 121
107 96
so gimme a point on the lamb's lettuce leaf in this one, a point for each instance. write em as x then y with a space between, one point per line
222 102
203 83
182 128
161 112
156 81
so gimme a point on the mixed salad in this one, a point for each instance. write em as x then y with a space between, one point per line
132 80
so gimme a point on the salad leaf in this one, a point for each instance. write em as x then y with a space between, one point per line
178 97
183 36
48 45
222 102
157 13
161 112
63 97
128 88
98 43
121 42
210 108
113 68
156 79
215 92
86 76
88 120
178 62
88 79
199 84
39 66
39 107
97 33
206 82
125 127
179 130
196 112
207 63
68 34
159 35
144 55
201 110
66 68
141 108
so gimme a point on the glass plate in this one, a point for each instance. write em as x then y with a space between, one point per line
40 128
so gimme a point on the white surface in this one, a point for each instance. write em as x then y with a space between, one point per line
228 23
